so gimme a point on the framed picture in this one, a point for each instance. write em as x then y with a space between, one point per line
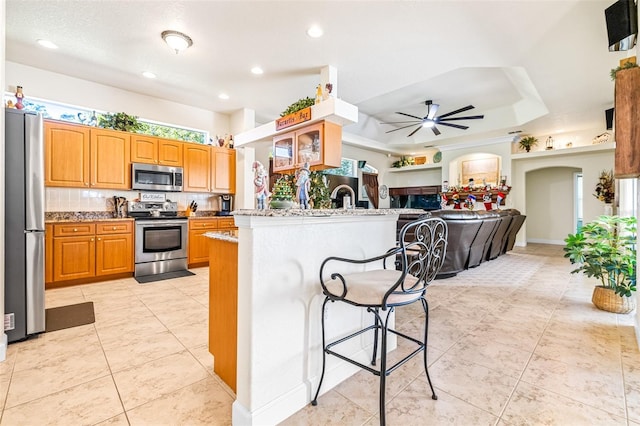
485 168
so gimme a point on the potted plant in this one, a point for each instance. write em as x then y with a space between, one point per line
605 249
527 142
120 121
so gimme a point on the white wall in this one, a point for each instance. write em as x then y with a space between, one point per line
590 162
62 88
550 192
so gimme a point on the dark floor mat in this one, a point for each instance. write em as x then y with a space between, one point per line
69 316
166 276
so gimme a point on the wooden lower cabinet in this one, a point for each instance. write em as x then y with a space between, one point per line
80 252
223 309
198 251
48 253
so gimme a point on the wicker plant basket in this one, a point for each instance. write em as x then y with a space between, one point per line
607 300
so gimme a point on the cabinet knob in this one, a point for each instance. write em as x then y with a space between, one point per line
86 184
92 240
114 228
75 229
98 239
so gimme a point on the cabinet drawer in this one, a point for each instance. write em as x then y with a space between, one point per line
74 229
121 227
227 222
203 223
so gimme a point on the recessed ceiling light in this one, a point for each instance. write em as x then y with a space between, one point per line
176 40
315 31
223 96
48 44
148 74
257 71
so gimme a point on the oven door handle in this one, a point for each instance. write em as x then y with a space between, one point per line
158 223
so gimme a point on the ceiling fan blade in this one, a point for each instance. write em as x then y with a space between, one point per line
457 126
435 130
433 108
409 115
400 128
469 117
414 132
467 108
400 122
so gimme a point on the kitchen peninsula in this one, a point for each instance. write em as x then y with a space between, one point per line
279 355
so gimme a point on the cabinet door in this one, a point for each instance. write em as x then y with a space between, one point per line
114 254
144 149
170 153
197 168
48 253
283 150
331 145
627 116
198 246
66 155
73 258
309 143
223 171
110 159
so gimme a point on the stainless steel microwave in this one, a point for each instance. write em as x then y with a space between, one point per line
150 177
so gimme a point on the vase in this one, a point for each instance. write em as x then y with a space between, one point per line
608 209
281 204
606 299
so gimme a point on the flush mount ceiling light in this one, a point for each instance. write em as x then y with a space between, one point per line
176 40
223 96
46 43
257 71
315 31
148 74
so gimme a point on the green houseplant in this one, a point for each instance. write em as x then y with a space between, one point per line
120 121
624 66
527 142
605 249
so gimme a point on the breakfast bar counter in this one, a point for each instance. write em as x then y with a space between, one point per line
279 298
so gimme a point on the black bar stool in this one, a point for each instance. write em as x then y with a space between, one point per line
417 258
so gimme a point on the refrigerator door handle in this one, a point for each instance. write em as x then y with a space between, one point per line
34 172
35 282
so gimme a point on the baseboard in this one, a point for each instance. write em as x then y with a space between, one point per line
543 241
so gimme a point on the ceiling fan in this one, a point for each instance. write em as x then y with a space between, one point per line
430 120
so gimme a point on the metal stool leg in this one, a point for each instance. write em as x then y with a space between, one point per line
425 306
375 334
314 401
383 363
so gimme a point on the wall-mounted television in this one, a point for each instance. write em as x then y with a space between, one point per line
622 25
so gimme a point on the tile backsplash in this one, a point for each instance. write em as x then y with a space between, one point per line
78 199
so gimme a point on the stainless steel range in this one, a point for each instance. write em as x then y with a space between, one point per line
161 237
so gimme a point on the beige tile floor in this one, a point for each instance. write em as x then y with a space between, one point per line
515 341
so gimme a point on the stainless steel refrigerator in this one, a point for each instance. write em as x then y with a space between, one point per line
24 225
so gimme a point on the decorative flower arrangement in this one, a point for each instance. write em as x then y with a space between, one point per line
605 191
403 161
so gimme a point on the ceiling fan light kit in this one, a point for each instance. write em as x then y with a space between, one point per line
431 120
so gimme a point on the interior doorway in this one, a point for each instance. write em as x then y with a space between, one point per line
577 202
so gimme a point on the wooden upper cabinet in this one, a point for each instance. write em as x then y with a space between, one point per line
66 154
144 149
110 159
170 153
152 150
627 127
197 168
223 170
318 144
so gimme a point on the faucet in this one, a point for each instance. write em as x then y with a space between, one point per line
334 194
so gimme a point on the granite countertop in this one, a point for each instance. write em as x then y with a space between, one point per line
325 212
230 236
92 216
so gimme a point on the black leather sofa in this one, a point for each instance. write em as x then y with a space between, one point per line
474 236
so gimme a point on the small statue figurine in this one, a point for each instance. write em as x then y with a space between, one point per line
303 185
499 199
261 182
19 97
456 201
486 199
470 202
443 201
